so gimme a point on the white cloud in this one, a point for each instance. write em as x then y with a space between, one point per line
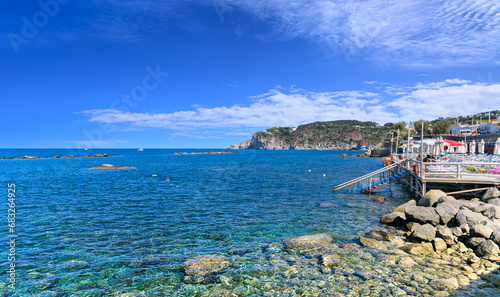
293 107
410 33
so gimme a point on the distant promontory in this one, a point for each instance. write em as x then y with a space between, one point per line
334 135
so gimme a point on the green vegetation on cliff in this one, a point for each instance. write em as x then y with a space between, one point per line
338 133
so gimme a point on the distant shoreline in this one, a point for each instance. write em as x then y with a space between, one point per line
57 157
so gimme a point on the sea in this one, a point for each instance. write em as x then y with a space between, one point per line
126 232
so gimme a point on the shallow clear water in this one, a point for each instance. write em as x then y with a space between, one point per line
107 232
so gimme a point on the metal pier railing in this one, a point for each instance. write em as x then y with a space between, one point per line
375 180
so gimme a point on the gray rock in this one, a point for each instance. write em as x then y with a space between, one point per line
467 216
380 234
365 241
491 193
457 231
493 279
402 207
473 258
424 233
480 230
495 201
473 242
447 211
422 214
394 218
446 198
488 250
439 244
465 228
446 234
412 226
495 236
431 197
492 212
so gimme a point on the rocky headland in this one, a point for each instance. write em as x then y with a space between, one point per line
336 135
55 157
109 166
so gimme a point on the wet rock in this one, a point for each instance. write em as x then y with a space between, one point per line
422 214
493 279
491 193
206 264
425 248
430 198
473 242
424 233
467 216
439 244
331 260
368 241
492 212
394 218
450 283
350 245
402 207
480 230
447 211
488 250
446 234
327 205
308 242
406 262
378 199
473 259
380 234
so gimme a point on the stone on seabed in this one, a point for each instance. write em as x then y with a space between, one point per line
206 264
308 242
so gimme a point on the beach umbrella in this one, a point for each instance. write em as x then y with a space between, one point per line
496 151
472 147
480 147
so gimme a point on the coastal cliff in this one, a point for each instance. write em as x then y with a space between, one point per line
335 135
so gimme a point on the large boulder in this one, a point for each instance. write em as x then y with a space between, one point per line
206 264
495 236
422 214
494 201
481 230
446 198
394 218
491 193
308 242
402 207
446 234
424 233
425 248
473 242
492 212
431 197
467 216
488 250
447 211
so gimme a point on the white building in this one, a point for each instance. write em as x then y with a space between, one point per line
463 129
488 127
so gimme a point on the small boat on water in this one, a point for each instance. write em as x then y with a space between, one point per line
85 149
140 150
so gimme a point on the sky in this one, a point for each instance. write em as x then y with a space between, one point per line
207 74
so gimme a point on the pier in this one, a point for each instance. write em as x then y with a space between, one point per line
455 175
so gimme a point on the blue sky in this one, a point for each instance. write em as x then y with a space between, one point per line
172 74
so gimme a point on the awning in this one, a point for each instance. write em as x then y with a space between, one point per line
452 142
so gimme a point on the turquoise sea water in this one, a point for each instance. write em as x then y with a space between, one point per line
109 232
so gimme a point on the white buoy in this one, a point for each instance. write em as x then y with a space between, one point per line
324 175
309 170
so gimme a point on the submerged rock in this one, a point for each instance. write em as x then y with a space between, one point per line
331 260
308 242
206 264
109 166
369 241
327 205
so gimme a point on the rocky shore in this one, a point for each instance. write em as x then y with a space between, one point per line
202 153
260 143
465 233
55 157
